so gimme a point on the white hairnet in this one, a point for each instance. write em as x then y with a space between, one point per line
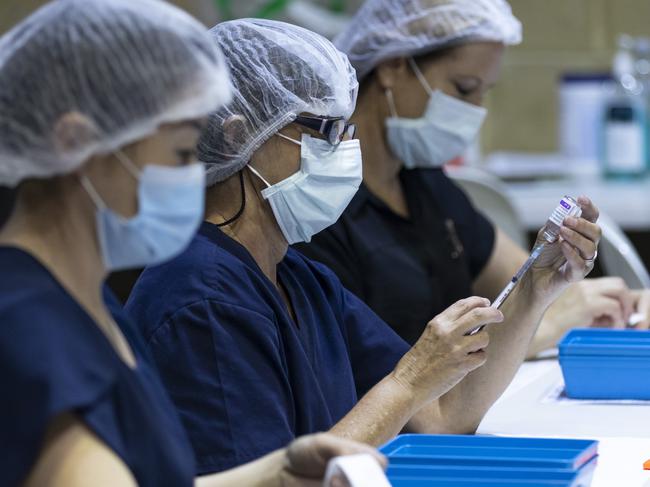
278 71
125 66
387 29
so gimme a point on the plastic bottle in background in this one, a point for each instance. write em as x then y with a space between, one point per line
582 97
625 150
642 73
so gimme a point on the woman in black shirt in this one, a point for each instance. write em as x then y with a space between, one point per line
411 243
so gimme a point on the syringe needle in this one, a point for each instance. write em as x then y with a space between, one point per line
518 276
514 281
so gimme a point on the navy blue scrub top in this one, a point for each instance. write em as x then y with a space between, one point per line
408 270
54 359
244 376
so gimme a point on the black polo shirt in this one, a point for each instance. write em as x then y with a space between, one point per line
7 196
408 270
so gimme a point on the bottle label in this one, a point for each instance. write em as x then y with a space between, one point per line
624 147
564 209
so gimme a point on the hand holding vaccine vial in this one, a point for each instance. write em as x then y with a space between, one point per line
568 207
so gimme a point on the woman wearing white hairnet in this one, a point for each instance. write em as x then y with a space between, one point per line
410 243
241 307
100 110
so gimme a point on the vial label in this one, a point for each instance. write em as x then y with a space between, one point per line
567 207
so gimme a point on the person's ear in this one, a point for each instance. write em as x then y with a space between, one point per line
234 130
388 73
73 131
97 167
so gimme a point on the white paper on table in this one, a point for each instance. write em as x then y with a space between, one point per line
523 413
620 463
358 470
557 395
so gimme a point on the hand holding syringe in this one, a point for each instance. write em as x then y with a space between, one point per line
568 207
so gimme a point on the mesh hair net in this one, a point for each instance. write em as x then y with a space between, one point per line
278 71
120 68
386 29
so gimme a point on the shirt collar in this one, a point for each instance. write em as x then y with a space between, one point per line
230 245
365 197
361 198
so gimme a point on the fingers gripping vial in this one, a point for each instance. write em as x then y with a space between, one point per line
568 207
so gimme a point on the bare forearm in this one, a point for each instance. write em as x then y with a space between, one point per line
567 260
546 336
465 405
380 414
262 472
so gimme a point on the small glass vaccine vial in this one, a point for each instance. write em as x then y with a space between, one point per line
567 207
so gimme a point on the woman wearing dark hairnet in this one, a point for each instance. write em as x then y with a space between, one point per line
256 343
424 67
100 109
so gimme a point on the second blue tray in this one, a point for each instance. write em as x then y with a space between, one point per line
490 451
606 364
596 342
468 476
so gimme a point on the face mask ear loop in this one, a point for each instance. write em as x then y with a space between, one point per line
128 164
420 76
254 171
391 103
92 192
297 142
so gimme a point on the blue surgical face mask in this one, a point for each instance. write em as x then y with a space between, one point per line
444 132
315 197
170 210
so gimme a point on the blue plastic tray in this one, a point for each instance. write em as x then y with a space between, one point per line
606 364
438 476
490 451
600 342
606 378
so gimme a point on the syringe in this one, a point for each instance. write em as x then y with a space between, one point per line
520 273
567 207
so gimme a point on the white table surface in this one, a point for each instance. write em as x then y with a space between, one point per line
627 202
623 430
